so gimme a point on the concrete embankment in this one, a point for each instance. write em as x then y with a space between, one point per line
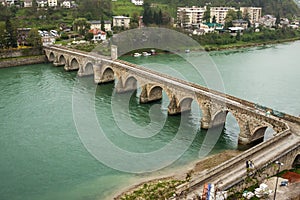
13 62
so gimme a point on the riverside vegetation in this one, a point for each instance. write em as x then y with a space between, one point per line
158 14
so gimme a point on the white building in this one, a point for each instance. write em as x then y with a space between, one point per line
66 4
8 2
52 3
121 21
137 2
95 24
107 25
27 3
253 12
267 21
42 3
220 13
187 17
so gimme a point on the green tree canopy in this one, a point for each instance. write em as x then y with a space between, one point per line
81 26
231 15
34 38
206 15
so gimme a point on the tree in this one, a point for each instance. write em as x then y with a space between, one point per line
231 15
2 35
206 15
81 26
34 38
277 22
102 24
214 20
11 34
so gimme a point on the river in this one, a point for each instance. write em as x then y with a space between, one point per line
41 153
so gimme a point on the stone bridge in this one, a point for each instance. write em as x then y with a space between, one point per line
252 120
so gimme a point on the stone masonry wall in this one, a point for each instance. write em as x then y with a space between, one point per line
22 61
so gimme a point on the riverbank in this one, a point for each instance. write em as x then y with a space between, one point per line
248 44
20 61
164 186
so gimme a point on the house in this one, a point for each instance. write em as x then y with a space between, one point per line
98 35
240 23
52 3
66 4
267 21
107 25
27 3
234 30
284 21
8 2
22 34
48 40
199 32
137 2
208 28
42 3
121 21
95 24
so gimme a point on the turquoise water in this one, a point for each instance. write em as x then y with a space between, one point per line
41 153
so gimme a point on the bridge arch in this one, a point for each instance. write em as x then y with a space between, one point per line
74 64
219 118
296 162
155 92
131 83
264 133
186 104
62 60
51 57
231 125
89 68
108 75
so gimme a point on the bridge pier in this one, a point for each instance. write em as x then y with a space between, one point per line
173 109
206 118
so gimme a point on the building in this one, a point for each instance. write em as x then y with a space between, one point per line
208 28
8 2
52 3
107 25
253 12
27 3
95 24
66 4
98 34
240 23
42 3
189 17
267 21
121 21
220 13
137 2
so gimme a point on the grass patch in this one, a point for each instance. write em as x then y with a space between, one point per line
157 190
125 7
